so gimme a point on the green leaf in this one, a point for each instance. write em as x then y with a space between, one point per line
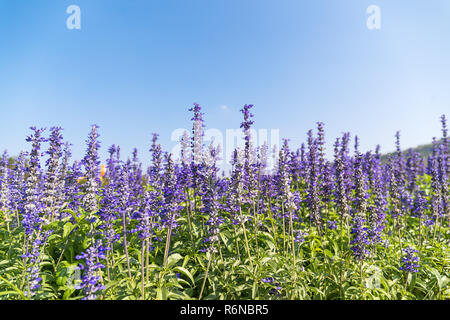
186 273
68 227
4 293
173 259
328 253
254 290
161 293
68 293
15 288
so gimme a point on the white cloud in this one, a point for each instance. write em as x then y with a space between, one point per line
224 107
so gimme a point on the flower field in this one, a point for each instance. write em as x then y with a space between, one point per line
352 227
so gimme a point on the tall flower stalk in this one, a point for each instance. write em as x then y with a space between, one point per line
91 282
50 194
91 163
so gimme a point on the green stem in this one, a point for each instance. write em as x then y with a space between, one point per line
143 269
166 250
125 244
206 276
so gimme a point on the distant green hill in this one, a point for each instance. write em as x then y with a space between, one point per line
425 150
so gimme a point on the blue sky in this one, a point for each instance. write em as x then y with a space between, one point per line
135 67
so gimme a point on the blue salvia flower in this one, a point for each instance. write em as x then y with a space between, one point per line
328 182
197 134
360 200
377 211
320 145
63 175
366 165
436 197
420 204
360 240
443 181
144 226
249 179
303 163
136 178
313 179
445 145
332 225
51 184
236 195
154 202
171 194
414 168
340 191
4 189
91 282
237 177
17 184
34 255
401 198
410 261
143 205
184 174
31 219
211 205
268 280
91 164
395 191
444 168
124 207
72 187
276 286
284 180
348 167
197 150
300 235
123 189
263 158
133 198
246 125
185 153
111 165
399 163
153 199
154 171
429 222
